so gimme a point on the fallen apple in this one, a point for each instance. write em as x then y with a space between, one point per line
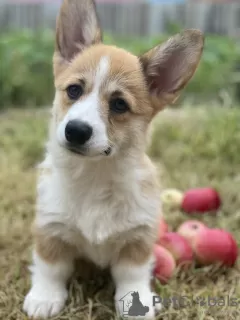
164 264
199 200
163 227
178 246
215 245
209 245
190 230
172 198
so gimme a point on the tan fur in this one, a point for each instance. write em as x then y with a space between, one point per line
148 186
69 39
187 45
52 249
138 251
66 31
100 206
125 77
125 80
132 78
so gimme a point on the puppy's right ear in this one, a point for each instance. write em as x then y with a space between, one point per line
168 67
77 28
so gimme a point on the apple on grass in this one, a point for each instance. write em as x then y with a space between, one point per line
163 227
210 245
178 246
165 264
216 245
190 229
199 200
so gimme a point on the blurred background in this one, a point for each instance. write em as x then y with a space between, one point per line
27 38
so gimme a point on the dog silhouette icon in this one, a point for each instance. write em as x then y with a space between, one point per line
137 308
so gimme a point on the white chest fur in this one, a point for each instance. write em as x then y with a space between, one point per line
98 200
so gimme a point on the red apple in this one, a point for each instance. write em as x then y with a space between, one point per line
190 230
178 246
200 200
164 264
163 227
234 247
210 245
215 245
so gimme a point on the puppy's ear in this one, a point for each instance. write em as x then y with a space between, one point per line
77 28
169 66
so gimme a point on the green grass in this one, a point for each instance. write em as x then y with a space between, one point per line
192 148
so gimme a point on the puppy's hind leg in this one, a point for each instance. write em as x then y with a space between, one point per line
53 263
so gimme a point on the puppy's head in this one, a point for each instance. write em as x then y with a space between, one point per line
106 96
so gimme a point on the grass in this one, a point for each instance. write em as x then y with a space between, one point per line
192 148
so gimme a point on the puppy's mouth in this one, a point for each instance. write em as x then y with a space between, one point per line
108 151
76 150
86 152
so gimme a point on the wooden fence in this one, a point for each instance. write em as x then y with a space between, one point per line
137 19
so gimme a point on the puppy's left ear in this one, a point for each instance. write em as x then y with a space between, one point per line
77 28
169 66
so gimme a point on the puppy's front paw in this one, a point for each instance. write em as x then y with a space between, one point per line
44 304
137 304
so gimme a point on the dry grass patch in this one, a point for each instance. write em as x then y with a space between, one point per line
196 148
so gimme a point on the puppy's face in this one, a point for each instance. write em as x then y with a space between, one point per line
105 96
103 104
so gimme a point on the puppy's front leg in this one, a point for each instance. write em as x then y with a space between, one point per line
52 267
132 276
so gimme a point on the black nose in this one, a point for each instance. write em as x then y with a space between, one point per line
78 132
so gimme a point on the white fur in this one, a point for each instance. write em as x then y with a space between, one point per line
129 278
87 206
94 205
100 199
48 293
88 110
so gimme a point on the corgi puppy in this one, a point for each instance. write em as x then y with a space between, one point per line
98 195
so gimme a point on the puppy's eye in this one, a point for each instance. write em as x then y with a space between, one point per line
118 105
74 91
